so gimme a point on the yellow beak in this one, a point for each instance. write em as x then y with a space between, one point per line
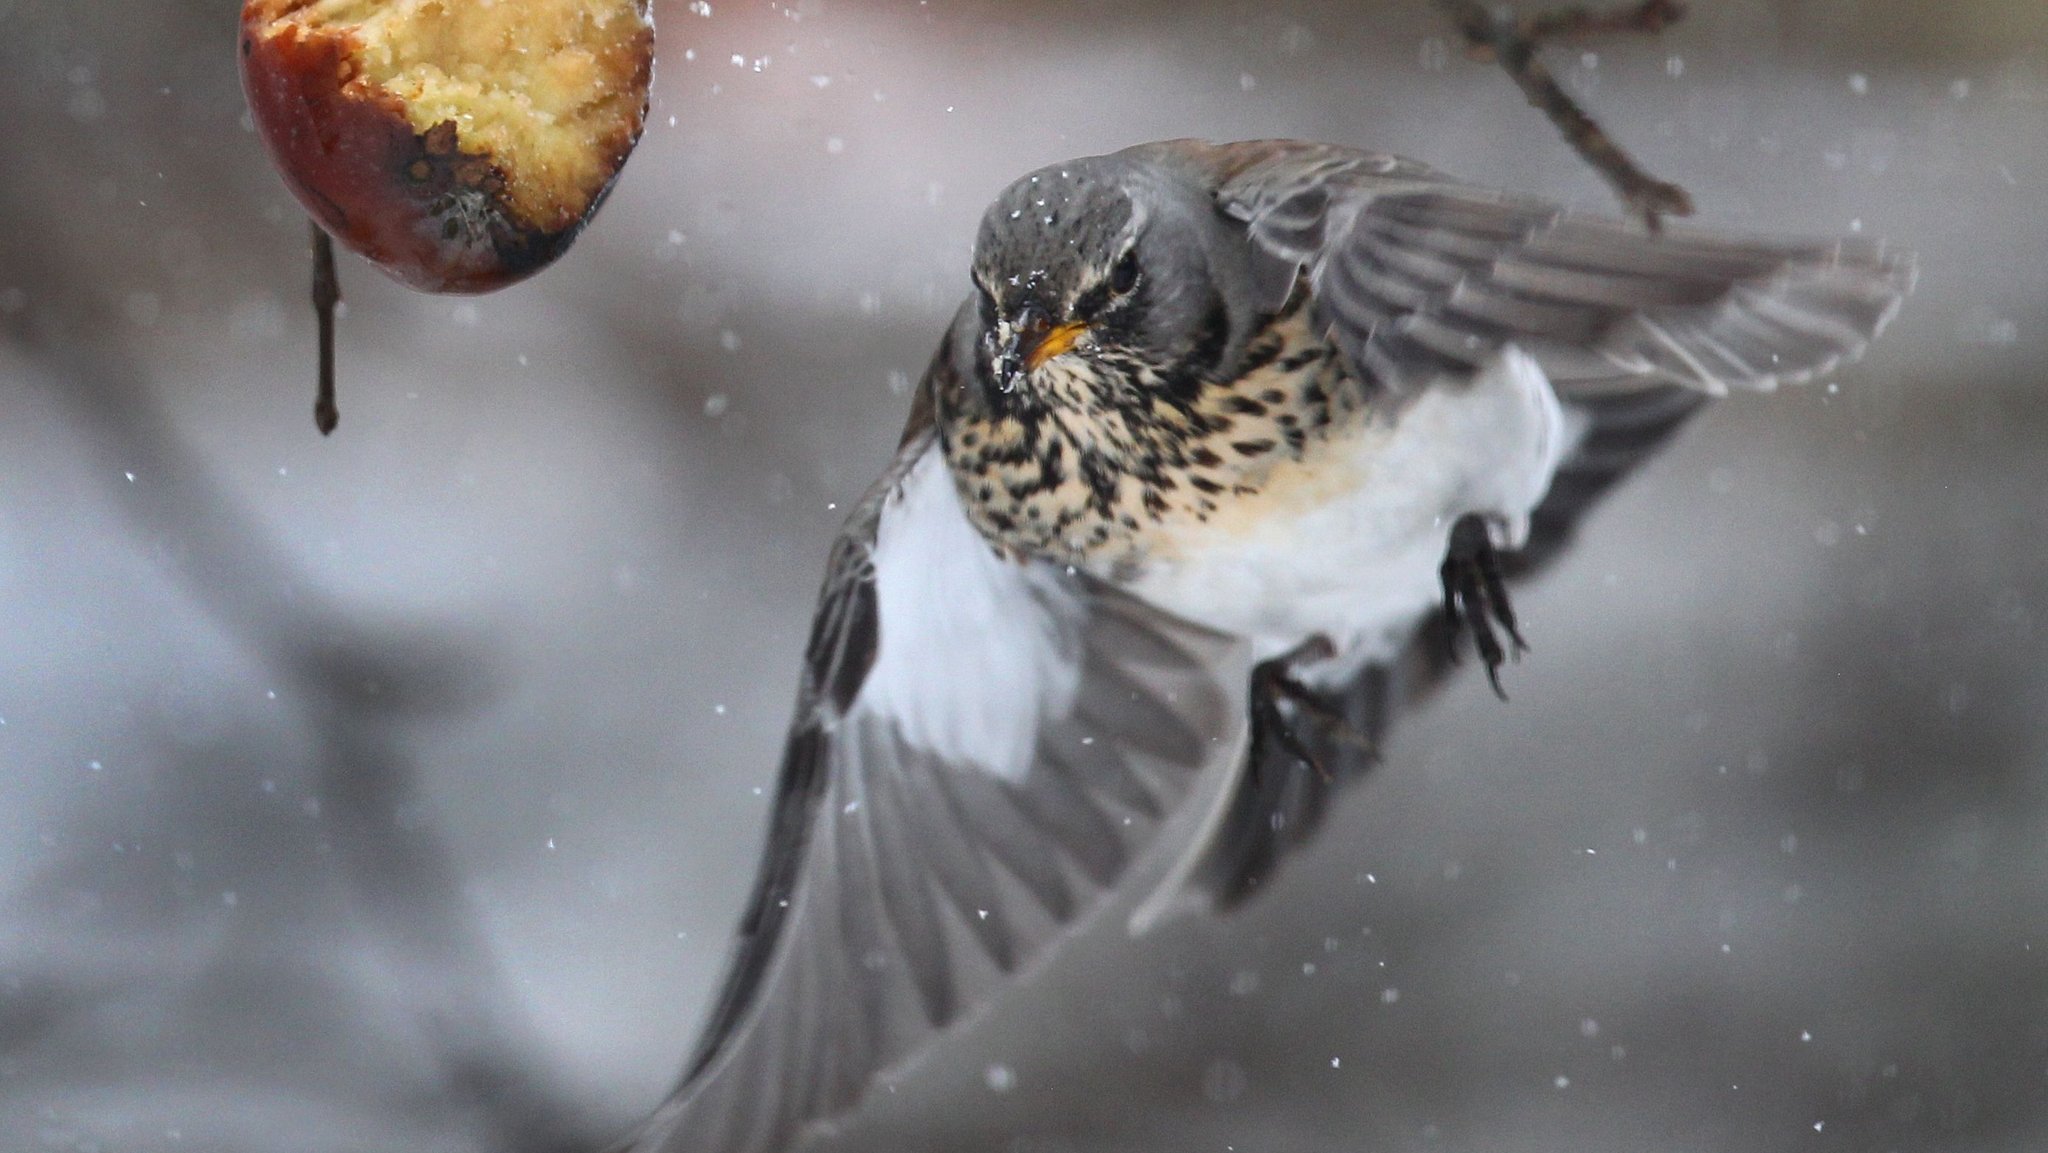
1056 340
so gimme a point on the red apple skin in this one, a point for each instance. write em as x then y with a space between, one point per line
412 203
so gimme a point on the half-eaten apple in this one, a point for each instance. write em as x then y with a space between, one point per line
459 145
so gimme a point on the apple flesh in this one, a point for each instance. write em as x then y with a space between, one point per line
459 145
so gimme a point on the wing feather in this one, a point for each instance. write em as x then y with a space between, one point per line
1421 279
904 882
990 813
1419 275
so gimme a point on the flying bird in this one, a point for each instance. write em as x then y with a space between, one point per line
1227 453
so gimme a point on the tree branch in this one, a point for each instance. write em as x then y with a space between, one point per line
1514 43
1648 18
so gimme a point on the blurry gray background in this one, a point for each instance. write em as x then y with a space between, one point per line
397 791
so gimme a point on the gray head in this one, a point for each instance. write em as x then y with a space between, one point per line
1112 257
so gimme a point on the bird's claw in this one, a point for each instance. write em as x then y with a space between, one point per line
1273 683
1476 597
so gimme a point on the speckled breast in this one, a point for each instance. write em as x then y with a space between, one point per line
1105 463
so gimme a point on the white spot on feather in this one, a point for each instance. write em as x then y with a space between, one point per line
975 650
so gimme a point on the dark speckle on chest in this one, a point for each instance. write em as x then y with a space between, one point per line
1104 453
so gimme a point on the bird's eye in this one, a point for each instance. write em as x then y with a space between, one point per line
1124 276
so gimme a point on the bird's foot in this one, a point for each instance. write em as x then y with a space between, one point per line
1274 683
1476 598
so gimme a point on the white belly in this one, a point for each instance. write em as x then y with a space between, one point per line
1346 544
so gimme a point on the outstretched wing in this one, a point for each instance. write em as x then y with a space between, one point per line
1420 277
982 748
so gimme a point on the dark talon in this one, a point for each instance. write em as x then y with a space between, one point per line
1448 576
1497 595
1476 597
1272 682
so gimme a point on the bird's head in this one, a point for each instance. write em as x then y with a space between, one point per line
1099 257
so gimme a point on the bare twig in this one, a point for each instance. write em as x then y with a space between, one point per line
1514 44
326 295
1645 19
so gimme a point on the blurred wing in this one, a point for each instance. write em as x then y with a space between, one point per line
1421 278
982 749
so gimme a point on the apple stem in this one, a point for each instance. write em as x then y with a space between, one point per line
326 295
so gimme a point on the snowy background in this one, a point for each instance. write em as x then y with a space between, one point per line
396 791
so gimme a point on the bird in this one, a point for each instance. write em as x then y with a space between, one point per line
1228 453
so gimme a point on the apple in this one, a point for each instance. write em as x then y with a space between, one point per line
459 145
